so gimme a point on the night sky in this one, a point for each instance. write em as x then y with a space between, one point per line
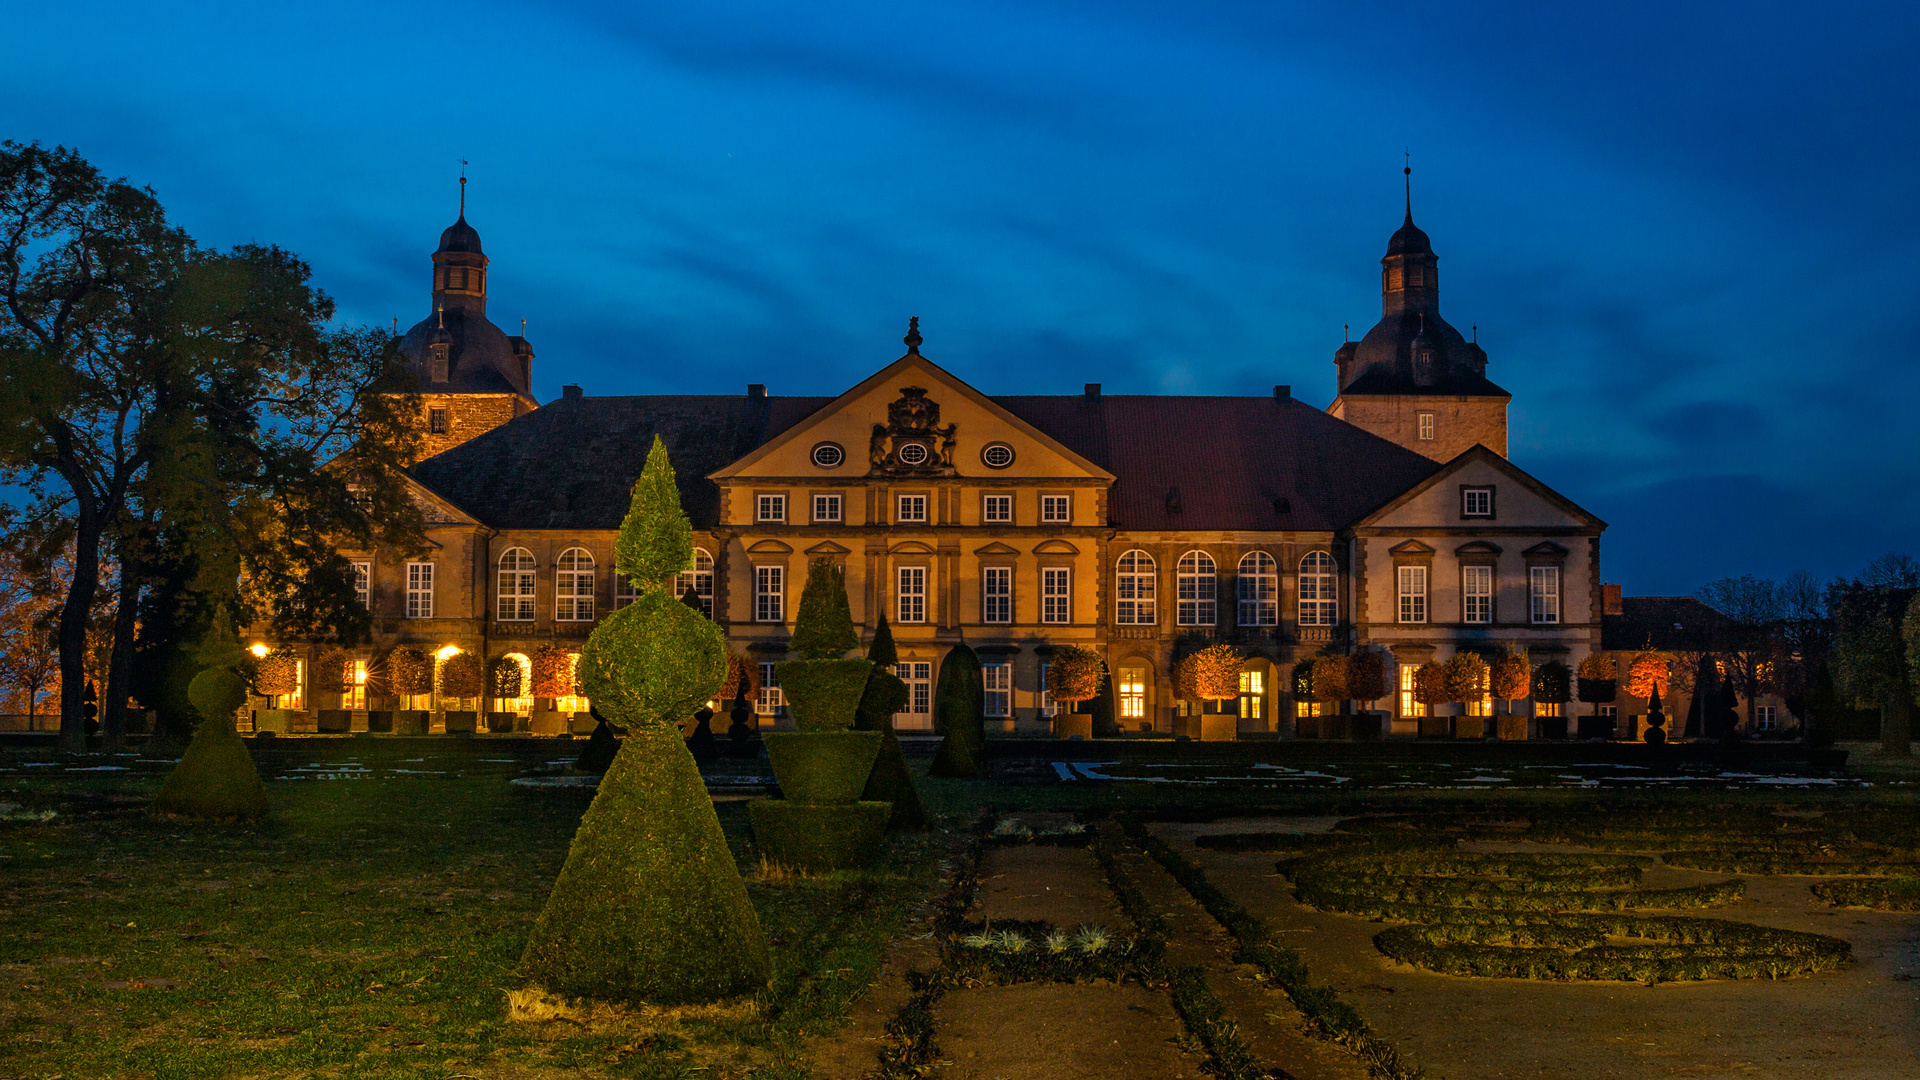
1684 231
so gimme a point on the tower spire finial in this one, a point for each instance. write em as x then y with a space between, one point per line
913 337
1408 173
463 189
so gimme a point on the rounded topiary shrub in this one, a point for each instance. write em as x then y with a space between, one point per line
959 707
1366 676
462 675
552 672
215 779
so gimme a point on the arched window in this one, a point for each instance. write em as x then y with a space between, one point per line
1259 588
573 586
1199 589
1319 600
699 579
516 586
1134 587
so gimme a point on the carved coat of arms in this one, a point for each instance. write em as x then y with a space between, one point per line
911 442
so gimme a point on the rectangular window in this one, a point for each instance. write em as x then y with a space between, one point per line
918 675
1048 706
355 696
572 703
1545 581
1306 708
624 593
912 510
1763 717
1197 603
573 596
1476 590
911 595
998 679
1546 708
1408 706
826 509
1413 594
297 699
1426 426
1132 688
771 700
769 594
1056 595
1056 509
770 508
996 594
363 584
437 418
996 509
1253 695
1476 502
419 590
1609 712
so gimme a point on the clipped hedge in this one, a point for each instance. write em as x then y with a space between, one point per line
1576 948
822 767
1880 894
823 695
816 838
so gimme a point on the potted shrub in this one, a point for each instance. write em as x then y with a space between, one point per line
1430 690
1512 679
1304 727
462 676
1596 684
1074 674
1329 678
1216 678
1367 681
1467 683
277 674
330 678
503 684
649 906
1553 685
409 674
820 822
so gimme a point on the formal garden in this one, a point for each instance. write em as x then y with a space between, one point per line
636 905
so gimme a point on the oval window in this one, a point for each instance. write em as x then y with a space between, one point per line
913 453
828 455
997 455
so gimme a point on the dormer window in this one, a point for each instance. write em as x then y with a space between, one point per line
438 362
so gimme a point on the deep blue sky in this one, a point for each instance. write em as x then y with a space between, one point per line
1685 231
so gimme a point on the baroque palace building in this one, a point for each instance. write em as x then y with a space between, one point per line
1139 525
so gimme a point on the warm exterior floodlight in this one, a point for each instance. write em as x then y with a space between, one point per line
259 650
451 650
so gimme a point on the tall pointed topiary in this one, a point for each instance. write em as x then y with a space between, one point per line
959 710
649 906
215 779
886 694
1104 708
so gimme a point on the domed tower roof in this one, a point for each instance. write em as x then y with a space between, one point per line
481 358
1409 240
461 237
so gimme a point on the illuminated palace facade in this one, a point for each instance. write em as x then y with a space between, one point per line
1139 525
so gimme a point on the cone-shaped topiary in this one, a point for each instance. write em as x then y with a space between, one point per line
649 905
215 779
823 628
891 779
822 689
959 705
1103 707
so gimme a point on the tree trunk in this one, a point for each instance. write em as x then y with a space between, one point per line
113 708
1895 728
73 633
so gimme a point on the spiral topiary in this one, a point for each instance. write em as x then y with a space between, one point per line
649 906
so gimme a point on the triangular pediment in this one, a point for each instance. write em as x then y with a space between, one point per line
912 420
1410 547
1518 501
996 548
828 547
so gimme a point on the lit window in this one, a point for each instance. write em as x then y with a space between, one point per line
1133 588
998 680
1056 595
1132 691
1048 706
1476 588
1253 695
913 508
1197 590
918 675
1413 594
1546 708
572 703
826 509
419 590
1545 581
1476 502
699 579
355 696
363 584
437 418
1425 421
1408 706
1319 600
1259 589
770 508
769 594
771 700
573 586
1056 509
516 586
911 595
996 509
996 594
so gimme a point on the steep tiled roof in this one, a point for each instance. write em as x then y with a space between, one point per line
1665 624
1232 459
571 463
